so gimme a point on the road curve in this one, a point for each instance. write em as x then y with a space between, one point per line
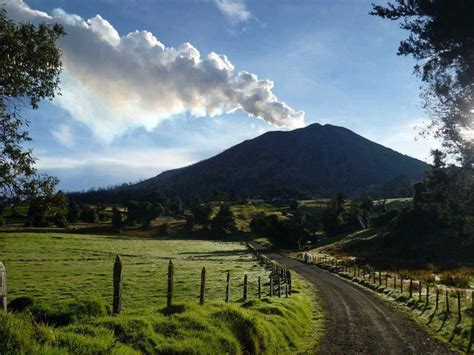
359 323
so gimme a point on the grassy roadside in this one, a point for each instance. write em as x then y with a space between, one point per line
267 326
436 321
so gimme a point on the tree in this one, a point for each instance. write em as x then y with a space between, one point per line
89 214
116 219
73 211
176 206
294 205
202 214
189 226
224 221
30 65
441 40
46 204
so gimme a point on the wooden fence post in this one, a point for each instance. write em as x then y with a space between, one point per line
271 285
386 280
427 294
395 282
447 302
169 295
411 288
437 298
202 294
459 305
3 287
117 278
288 277
227 289
245 287
259 288
375 275
279 286
420 285
380 278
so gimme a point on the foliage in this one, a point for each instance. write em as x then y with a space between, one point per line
47 206
89 214
441 41
287 233
189 226
202 214
29 72
458 278
116 219
73 211
143 212
224 221
163 229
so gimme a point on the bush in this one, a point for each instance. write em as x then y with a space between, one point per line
383 219
60 221
89 214
189 223
2 221
458 278
163 229
39 220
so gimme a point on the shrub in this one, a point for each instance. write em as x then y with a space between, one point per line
189 223
60 221
456 278
2 221
89 214
163 229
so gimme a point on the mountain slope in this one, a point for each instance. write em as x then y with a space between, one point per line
317 160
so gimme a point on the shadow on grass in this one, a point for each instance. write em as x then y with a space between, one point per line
471 341
432 316
174 309
206 254
445 319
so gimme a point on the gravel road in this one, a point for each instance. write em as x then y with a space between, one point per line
358 322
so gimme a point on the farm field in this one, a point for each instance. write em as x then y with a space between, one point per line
60 267
73 273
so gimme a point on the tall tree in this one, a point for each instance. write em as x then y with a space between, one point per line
30 64
441 40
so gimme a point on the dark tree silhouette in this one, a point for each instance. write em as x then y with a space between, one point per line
30 63
441 40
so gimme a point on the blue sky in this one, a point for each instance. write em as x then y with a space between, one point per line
326 58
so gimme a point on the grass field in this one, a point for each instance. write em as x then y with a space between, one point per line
69 278
55 267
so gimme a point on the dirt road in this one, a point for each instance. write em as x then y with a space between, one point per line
358 322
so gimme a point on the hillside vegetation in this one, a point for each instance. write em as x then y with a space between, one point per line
312 161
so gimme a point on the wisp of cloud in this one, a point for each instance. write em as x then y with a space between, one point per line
113 83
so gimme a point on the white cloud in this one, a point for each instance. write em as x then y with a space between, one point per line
64 135
235 10
147 160
113 83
